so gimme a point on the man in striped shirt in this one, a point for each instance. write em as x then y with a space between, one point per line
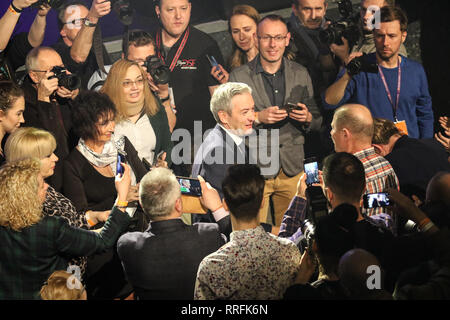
352 130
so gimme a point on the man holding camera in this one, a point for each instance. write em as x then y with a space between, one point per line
275 82
77 27
396 88
47 103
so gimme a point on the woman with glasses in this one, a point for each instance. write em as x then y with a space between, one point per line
140 116
89 175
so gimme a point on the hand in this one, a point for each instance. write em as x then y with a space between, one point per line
352 56
210 198
161 161
99 9
133 194
405 206
63 92
220 74
97 216
22 4
43 10
306 268
301 187
46 87
302 115
445 124
341 51
272 115
123 183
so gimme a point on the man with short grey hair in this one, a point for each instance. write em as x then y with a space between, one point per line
233 108
162 262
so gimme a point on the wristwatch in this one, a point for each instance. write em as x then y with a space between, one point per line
88 23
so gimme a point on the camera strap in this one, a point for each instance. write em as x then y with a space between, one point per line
399 83
98 49
179 51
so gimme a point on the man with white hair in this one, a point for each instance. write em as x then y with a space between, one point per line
162 262
233 108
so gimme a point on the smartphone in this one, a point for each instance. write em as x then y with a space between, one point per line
289 107
311 168
213 63
376 200
120 168
190 186
158 157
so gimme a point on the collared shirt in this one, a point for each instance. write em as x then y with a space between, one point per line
254 265
273 83
141 135
379 175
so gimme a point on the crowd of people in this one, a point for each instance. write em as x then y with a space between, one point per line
92 149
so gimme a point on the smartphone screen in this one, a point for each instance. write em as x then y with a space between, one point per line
190 186
312 171
120 169
376 200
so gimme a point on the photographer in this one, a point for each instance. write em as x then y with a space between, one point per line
14 51
376 81
366 42
47 102
77 28
141 49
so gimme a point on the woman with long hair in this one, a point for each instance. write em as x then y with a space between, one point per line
140 117
242 27
12 105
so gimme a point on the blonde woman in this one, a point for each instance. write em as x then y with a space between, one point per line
27 143
140 117
35 245
242 27
62 285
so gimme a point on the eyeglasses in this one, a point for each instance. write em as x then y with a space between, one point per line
128 83
76 22
267 38
48 70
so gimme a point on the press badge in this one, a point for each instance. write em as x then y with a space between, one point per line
401 126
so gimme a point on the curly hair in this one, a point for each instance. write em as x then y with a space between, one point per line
20 206
57 288
9 92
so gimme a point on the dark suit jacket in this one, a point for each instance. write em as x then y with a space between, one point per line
211 163
162 262
415 162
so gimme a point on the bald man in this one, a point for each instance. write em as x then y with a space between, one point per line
356 269
46 104
352 131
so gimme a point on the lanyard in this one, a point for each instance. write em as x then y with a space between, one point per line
399 83
177 54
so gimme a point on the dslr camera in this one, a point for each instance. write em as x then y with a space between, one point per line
124 11
317 208
347 27
54 4
157 69
69 81
361 64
